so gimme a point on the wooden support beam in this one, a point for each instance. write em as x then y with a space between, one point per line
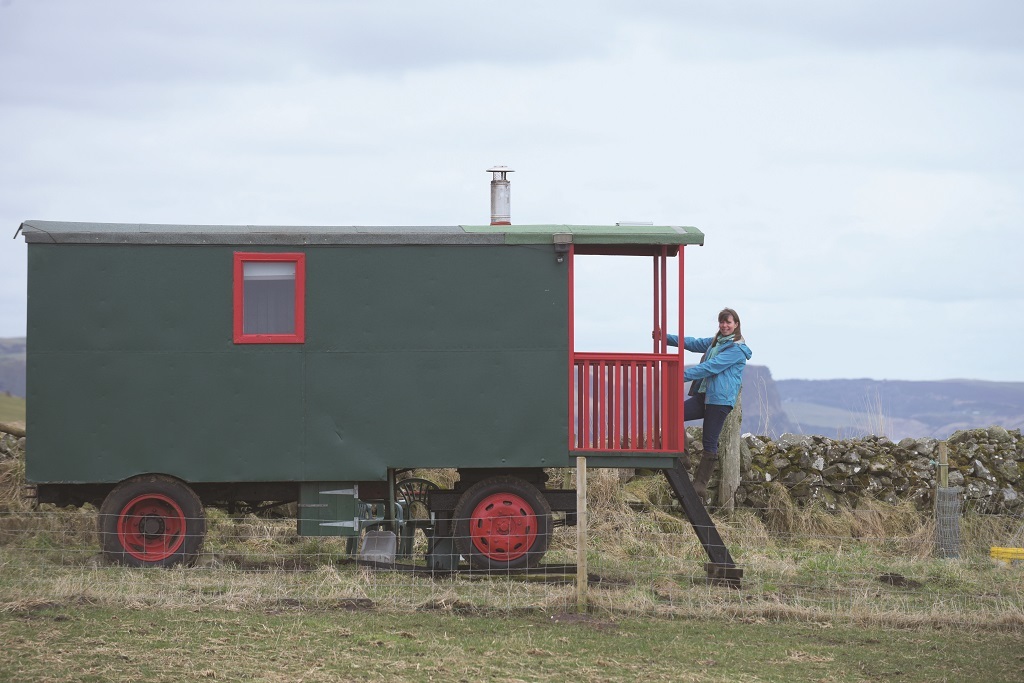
581 534
721 569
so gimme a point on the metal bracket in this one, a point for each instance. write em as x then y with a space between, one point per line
354 491
563 241
354 524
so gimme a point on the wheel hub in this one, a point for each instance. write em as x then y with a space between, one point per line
504 527
151 526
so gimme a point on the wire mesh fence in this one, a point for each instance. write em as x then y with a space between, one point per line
877 563
947 521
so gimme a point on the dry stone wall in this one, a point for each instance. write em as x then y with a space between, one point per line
11 446
986 464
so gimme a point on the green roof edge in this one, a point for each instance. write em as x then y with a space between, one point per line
593 234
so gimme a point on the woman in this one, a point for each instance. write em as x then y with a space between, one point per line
716 384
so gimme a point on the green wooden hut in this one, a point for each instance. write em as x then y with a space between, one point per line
172 367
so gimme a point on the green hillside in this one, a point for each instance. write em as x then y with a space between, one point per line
12 408
809 416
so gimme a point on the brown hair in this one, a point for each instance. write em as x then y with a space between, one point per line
727 313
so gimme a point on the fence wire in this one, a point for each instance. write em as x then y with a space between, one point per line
640 561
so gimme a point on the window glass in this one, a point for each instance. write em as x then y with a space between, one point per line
269 297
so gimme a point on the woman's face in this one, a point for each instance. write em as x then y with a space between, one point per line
727 326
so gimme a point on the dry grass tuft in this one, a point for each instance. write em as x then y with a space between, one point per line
47 529
782 513
981 532
12 483
444 478
746 528
604 490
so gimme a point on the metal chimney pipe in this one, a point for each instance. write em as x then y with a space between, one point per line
501 211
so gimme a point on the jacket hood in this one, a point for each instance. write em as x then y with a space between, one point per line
744 348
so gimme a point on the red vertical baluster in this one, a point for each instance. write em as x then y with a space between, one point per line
589 402
599 427
633 405
578 418
617 408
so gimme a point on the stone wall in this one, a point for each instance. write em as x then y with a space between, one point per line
11 446
986 463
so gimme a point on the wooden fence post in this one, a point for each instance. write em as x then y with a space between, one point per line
581 534
943 465
729 457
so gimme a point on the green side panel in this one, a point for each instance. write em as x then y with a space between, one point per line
435 298
441 357
328 509
129 298
416 356
436 409
106 416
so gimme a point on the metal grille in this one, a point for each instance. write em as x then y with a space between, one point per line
948 503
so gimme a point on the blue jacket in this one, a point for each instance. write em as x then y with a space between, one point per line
724 371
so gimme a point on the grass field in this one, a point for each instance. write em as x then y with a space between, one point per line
82 642
855 595
12 408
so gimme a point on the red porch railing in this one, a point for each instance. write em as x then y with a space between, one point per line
626 402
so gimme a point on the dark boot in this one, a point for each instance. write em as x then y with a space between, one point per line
704 471
685 459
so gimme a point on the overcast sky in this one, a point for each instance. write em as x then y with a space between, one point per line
856 167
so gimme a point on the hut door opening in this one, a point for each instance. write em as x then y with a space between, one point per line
628 401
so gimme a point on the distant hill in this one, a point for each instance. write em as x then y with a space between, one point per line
897 409
12 366
763 411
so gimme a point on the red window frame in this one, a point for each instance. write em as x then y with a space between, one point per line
299 336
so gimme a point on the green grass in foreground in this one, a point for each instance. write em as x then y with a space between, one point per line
87 643
12 408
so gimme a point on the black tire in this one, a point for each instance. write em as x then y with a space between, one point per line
152 521
502 523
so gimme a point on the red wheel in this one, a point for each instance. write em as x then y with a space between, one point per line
152 521
502 523
151 528
504 527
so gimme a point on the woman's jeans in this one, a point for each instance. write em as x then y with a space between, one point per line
714 419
